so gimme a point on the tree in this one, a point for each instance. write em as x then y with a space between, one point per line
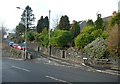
3 29
64 23
114 36
99 24
42 23
60 38
56 22
75 28
27 17
20 29
42 38
90 22
30 36
46 22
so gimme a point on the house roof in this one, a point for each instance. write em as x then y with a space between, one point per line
107 18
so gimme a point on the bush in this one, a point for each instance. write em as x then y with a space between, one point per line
89 34
115 20
60 38
113 42
82 40
85 37
43 37
96 49
114 36
105 35
88 29
96 33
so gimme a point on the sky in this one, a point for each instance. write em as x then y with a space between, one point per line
75 9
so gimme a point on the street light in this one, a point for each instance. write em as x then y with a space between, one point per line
26 26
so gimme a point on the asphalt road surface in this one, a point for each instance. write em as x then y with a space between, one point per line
48 71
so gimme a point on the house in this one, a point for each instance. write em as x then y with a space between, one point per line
82 24
107 20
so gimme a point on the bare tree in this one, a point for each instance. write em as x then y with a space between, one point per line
14 29
3 29
55 22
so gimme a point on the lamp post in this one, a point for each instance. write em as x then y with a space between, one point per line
26 26
49 35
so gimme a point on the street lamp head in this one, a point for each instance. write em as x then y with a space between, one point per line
18 7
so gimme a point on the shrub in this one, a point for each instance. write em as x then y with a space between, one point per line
96 33
88 29
96 49
60 38
114 36
82 40
42 38
115 20
105 35
113 42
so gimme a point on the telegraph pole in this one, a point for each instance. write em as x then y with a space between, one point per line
49 35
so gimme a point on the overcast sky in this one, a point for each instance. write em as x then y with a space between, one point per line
74 9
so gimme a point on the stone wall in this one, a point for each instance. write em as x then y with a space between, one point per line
74 55
70 54
56 52
8 51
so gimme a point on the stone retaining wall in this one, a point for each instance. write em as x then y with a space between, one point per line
8 51
70 54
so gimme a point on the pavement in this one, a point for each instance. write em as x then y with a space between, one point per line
76 65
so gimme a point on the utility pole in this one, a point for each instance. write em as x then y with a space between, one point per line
119 6
49 35
26 27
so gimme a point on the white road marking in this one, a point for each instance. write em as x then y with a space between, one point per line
15 59
49 61
99 70
83 64
20 68
88 70
55 78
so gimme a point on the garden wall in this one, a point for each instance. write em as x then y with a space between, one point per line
70 54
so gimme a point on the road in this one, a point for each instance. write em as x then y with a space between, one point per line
45 70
